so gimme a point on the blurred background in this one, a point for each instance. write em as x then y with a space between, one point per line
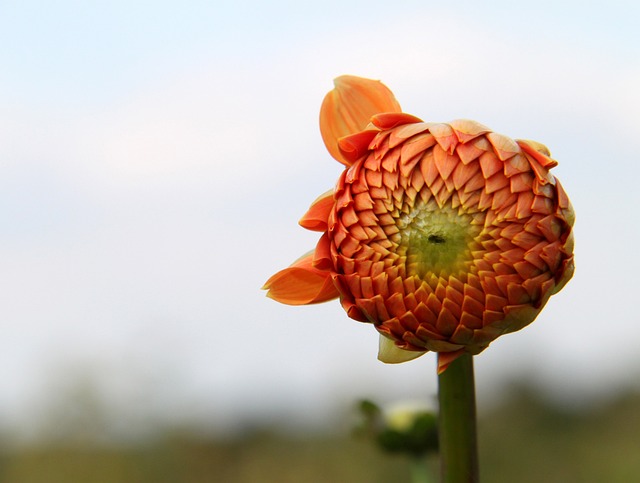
154 160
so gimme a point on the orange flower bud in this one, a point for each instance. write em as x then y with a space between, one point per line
444 236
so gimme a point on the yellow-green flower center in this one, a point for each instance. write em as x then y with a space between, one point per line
436 240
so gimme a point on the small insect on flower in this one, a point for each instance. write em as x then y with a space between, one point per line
444 236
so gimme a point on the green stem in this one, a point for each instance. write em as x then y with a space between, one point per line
457 425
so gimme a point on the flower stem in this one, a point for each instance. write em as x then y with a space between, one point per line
457 424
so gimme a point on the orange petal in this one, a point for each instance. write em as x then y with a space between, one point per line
322 254
349 106
354 146
466 129
504 147
538 151
446 358
389 120
317 217
301 284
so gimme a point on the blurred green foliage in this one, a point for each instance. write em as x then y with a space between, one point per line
525 439
409 431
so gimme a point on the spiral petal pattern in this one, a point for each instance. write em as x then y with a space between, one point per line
446 236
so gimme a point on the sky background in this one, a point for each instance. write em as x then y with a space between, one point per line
155 158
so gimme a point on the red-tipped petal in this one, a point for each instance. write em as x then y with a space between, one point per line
301 284
316 218
348 108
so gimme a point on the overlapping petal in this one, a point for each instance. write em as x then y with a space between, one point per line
317 217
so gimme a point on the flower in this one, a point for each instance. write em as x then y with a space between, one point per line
444 236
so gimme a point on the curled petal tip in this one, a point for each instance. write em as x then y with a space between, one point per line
316 218
348 108
354 146
389 120
541 148
538 151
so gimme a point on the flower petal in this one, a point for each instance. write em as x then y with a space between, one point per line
389 120
446 358
467 130
349 106
317 217
301 284
538 151
390 353
504 147
354 146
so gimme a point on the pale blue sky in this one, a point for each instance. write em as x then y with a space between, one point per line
156 156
